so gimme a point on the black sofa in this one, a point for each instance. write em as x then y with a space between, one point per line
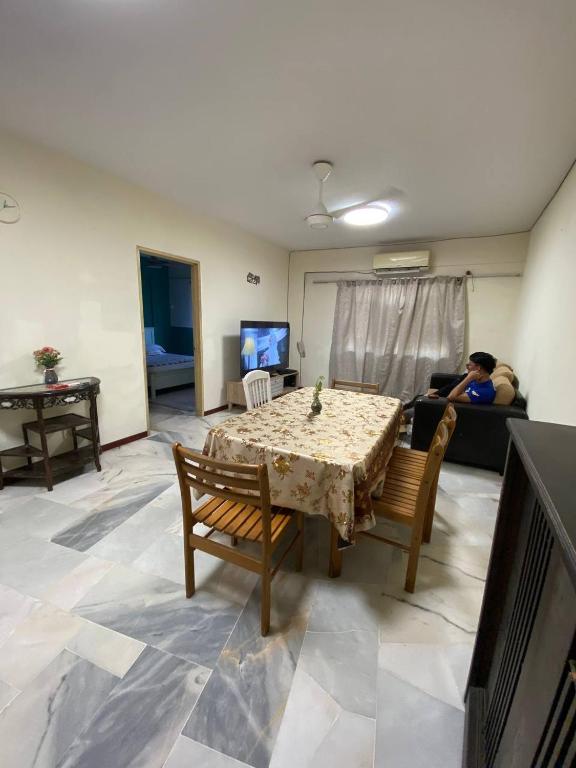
480 437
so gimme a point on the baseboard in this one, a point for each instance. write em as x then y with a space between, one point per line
123 441
215 410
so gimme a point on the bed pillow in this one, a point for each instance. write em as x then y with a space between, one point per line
155 349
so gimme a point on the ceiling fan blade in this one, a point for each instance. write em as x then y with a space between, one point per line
391 198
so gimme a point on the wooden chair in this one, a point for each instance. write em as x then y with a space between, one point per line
409 495
239 507
257 389
356 386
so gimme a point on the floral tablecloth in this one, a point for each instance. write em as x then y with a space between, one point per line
327 464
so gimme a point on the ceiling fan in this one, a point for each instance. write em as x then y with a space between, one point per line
361 214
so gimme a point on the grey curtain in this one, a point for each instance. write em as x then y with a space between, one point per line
398 331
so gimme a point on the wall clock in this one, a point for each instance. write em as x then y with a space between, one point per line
9 209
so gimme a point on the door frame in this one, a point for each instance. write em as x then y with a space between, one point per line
194 265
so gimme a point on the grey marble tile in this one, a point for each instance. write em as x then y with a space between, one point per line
35 643
83 535
38 517
14 609
189 754
40 724
165 558
340 607
7 694
157 612
179 437
105 648
438 670
344 664
240 709
142 717
68 590
402 622
51 563
414 729
317 733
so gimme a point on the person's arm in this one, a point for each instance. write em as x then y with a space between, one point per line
444 391
458 395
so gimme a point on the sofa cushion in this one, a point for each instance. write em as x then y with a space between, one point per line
505 392
503 370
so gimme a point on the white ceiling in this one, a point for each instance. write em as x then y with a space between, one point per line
466 106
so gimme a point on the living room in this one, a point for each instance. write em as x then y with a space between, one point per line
455 124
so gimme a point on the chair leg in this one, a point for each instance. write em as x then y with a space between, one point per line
413 556
265 601
189 568
430 509
300 544
335 567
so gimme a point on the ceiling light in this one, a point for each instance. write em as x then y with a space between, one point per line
319 218
366 215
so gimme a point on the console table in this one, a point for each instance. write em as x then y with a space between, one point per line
280 384
521 695
39 397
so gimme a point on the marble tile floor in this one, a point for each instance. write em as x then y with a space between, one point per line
103 662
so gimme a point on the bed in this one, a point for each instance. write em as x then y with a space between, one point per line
166 369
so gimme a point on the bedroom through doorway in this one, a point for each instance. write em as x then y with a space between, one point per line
171 331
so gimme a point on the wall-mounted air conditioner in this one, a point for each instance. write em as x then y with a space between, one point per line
406 261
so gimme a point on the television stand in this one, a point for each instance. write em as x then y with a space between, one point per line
280 383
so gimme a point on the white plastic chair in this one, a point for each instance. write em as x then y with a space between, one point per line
257 389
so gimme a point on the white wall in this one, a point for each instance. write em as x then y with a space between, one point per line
491 302
69 278
545 354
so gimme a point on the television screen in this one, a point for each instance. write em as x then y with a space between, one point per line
263 345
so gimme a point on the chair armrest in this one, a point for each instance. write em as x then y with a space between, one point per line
438 380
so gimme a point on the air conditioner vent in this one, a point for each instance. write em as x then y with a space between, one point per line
403 261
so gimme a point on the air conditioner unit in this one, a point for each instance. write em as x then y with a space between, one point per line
404 261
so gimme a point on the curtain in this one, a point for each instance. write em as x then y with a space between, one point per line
398 331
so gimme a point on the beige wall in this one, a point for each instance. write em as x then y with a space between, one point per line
69 278
491 302
545 354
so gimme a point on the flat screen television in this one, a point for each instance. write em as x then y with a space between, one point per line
264 345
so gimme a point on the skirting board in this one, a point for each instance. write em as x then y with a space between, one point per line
216 410
123 441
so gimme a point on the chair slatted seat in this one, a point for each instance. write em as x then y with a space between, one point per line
239 506
409 493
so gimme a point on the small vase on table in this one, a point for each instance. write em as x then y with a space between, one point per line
50 376
316 406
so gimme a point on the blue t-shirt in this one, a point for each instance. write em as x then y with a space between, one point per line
482 392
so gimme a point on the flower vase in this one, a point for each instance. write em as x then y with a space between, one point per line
50 376
316 406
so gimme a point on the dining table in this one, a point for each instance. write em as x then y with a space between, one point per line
328 464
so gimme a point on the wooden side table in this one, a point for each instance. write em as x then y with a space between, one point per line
39 397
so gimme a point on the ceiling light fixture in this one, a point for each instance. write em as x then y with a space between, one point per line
365 215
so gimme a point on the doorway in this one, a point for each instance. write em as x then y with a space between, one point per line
171 332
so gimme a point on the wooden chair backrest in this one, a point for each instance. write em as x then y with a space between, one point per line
353 386
257 388
242 483
436 452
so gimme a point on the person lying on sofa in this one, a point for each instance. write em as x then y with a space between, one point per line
475 386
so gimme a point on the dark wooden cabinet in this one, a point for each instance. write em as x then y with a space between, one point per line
520 699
